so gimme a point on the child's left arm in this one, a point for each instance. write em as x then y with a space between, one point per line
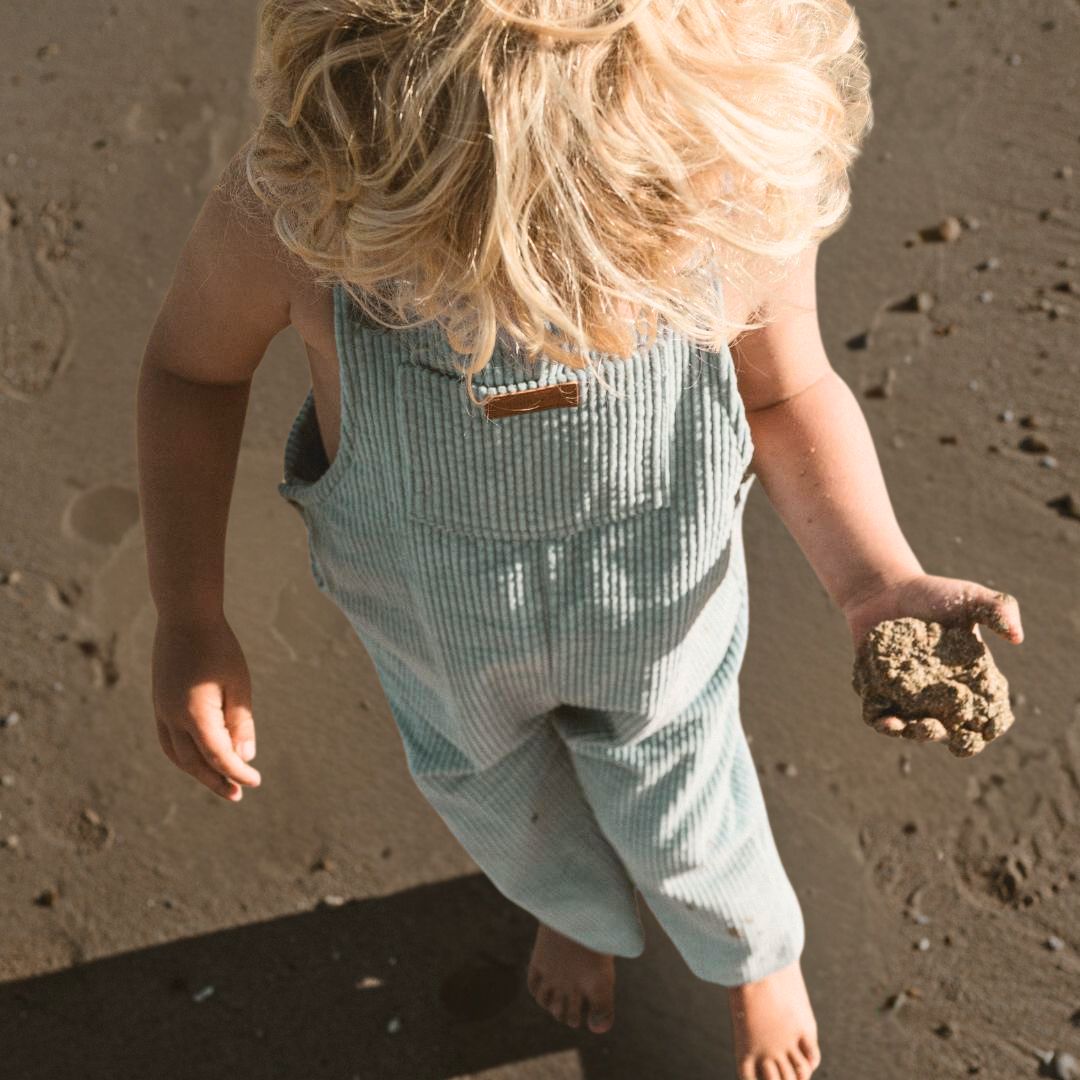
815 458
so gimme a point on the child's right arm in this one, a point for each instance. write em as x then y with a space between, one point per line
228 299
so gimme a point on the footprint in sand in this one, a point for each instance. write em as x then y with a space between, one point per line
35 319
102 515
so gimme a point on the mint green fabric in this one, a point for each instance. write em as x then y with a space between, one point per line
556 606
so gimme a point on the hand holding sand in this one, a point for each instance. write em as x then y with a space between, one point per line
922 668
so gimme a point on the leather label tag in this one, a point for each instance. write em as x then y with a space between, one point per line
533 399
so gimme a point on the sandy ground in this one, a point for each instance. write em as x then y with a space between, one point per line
152 930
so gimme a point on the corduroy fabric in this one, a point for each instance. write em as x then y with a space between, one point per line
555 603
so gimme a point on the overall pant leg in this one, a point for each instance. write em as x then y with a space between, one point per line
684 810
525 822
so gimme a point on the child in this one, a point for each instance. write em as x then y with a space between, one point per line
554 270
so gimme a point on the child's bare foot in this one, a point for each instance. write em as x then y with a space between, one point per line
571 981
775 1029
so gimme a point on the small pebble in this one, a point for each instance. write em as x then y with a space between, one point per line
974 384
1032 444
10 720
993 263
46 898
1069 286
788 768
1067 505
7 780
922 944
1014 59
1048 461
894 1001
393 1026
945 1030
883 389
1007 416
201 995
1062 1066
369 982
1054 943
949 229
332 901
10 841
1064 173
985 296
1029 421
972 224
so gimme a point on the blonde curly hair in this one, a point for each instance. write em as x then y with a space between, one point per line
543 166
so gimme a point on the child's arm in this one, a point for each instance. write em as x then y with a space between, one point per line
815 458
227 300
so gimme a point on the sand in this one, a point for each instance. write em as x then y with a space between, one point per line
925 681
151 930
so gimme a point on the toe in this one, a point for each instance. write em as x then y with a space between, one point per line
768 1070
748 1069
602 1009
573 1010
558 1007
811 1051
800 1067
547 997
600 1019
784 1068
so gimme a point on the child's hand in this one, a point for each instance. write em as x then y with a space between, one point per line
202 703
950 601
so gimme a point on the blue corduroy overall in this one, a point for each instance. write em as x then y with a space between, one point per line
555 602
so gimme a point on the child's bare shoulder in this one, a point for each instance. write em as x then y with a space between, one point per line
232 289
785 356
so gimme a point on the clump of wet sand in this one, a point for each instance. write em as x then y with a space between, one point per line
928 681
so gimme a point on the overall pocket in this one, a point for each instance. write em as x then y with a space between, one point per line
308 477
539 474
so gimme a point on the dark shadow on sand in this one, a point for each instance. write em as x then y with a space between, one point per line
285 1002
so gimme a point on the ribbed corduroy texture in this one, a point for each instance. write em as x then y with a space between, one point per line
556 606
